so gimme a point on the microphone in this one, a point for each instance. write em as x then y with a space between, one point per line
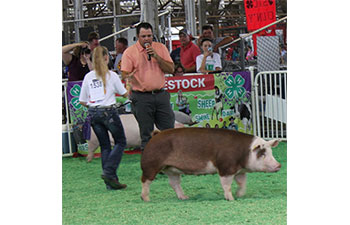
147 45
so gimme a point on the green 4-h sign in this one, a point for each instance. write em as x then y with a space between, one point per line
235 87
75 92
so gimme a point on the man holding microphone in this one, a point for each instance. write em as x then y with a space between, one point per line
144 65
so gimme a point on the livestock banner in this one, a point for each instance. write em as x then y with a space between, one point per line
220 100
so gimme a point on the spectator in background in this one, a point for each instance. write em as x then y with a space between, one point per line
179 70
208 61
93 39
120 45
229 53
79 64
188 52
235 55
283 55
208 32
175 55
250 53
78 61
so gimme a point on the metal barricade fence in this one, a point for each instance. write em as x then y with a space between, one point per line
269 100
66 128
269 107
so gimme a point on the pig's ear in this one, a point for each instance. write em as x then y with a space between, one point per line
274 143
256 147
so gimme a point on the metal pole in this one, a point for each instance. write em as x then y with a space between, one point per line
78 14
252 97
190 13
101 18
254 32
202 6
149 12
241 55
65 84
118 32
169 33
125 29
114 21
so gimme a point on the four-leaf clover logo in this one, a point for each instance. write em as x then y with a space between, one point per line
249 4
75 91
235 87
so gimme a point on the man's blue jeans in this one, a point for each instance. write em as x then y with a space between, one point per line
102 121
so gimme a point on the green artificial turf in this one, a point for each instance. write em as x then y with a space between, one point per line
85 199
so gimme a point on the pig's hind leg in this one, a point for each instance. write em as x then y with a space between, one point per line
145 190
174 181
148 175
241 180
226 182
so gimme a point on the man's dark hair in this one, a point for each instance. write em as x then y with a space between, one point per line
207 26
143 25
93 35
206 39
178 65
123 40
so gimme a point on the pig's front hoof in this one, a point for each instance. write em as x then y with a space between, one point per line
240 193
145 198
183 197
229 197
89 158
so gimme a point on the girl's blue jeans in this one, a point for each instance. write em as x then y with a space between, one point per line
102 121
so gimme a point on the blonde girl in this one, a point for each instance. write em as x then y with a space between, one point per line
98 94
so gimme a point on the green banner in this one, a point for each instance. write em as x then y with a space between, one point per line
220 100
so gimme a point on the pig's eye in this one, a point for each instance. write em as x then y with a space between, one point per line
261 153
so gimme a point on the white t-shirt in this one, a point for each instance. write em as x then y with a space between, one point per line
93 91
211 62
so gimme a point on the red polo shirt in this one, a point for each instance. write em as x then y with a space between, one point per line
188 55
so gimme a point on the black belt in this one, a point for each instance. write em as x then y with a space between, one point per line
114 106
150 92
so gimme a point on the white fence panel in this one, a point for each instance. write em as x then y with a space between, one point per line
66 129
270 104
279 108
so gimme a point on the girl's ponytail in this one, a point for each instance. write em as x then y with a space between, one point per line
99 63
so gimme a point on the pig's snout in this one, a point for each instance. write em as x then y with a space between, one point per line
273 168
278 167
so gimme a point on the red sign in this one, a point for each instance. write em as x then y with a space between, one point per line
189 83
259 13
